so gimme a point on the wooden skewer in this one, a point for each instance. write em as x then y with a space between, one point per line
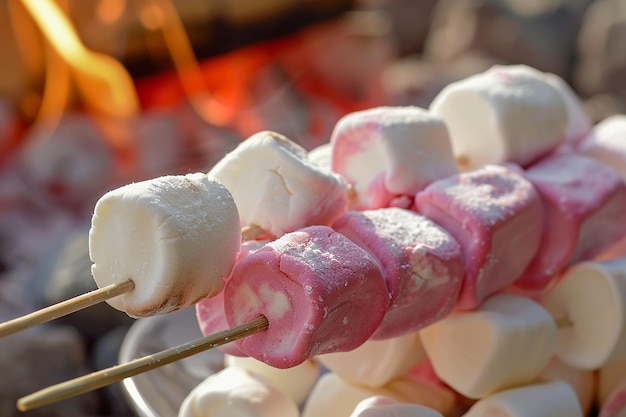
91 298
114 374
65 307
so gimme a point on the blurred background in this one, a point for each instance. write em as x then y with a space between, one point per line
96 94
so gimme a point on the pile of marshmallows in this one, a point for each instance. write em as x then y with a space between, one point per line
465 260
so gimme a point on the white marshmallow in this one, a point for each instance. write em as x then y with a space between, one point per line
321 155
387 152
607 143
376 362
234 392
582 381
380 406
277 188
591 297
508 341
296 381
551 399
507 113
333 396
176 237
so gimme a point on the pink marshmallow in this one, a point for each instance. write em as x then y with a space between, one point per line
495 214
320 292
584 214
210 311
421 262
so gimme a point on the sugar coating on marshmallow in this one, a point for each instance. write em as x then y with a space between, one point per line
496 216
175 237
584 205
376 362
319 291
234 392
505 114
421 262
507 342
277 188
387 152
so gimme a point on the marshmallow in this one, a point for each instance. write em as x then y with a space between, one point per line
333 396
591 298
380 406
582 381
607 143
320 292
296 382
550 399
584 214
388 152
496 216
210 312
376 362
421 262
277 188
507 342
321 156
236 392
175 237
506 114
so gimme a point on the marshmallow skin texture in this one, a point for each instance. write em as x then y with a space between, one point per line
584 205
320 292
376 362
496 216
277 187
421 262
551 399
507 342
390 152
591 297
176 237
505 114
234 392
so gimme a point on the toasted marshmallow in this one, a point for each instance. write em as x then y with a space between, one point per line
376 362
507 342
277 188
506 114
296 382
176 237
236 392
550 399
381 406
333 396
389 152
591 298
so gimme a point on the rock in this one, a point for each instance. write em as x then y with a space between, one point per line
40 357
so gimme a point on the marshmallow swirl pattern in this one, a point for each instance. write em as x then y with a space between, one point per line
320 292
496 216
175 237
390 152
421 262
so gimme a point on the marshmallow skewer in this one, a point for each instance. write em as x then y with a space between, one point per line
65 307
99 379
